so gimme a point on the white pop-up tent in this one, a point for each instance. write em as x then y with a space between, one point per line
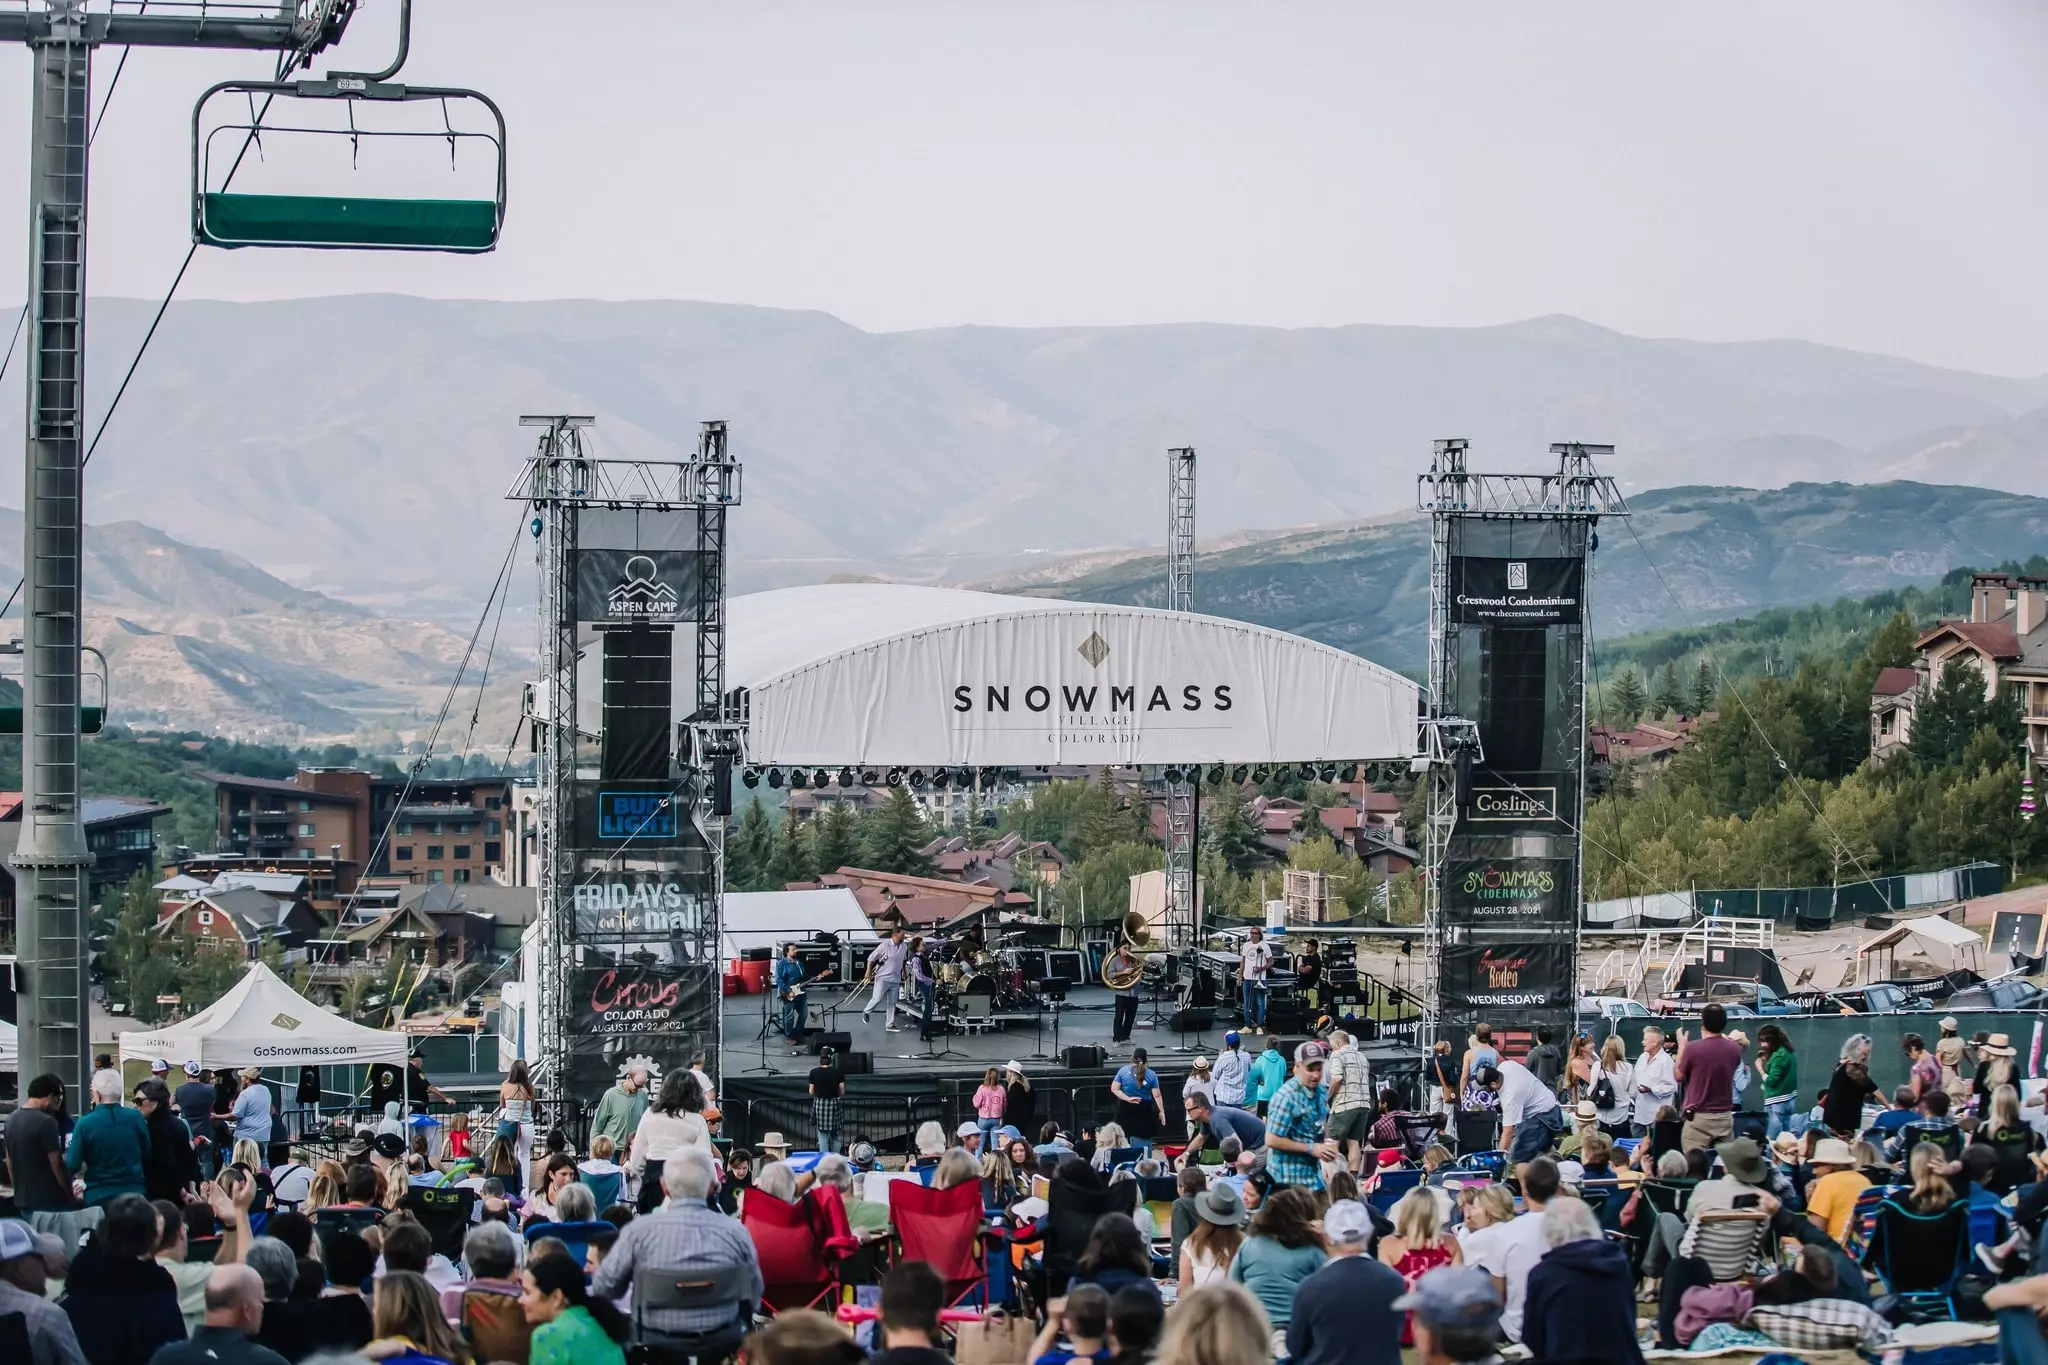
1946 946
264 1022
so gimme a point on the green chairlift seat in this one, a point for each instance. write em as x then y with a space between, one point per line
233 220
92 709
223 218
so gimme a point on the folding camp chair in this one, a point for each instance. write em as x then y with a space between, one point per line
663 1290
1419 1131
337 1218
1730 1241
1390 1186
943 1228
1477 1130
1919 1257
1863 1219
494 1325
575 1236
1947 1137
795 1269
445 1212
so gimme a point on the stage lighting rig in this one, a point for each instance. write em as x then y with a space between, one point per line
750 778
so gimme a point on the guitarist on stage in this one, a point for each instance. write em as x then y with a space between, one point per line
789 989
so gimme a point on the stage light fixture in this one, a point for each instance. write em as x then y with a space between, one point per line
1307 772
1172 776
869 778
821 778
775 777
750 778
846 777
1260 776
917 778
1238 774
940 779
895 777
1328 774
1216 775
798 778
1350 773
990 776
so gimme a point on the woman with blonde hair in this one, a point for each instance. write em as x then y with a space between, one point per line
1488 1206
956 1167
1931 1192
1108 1138
1620 1075
1218 1324
328 1187
1416 1247
406 1319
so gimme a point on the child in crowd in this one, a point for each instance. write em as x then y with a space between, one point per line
1084 1315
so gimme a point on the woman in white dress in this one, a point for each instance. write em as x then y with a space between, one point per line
1206 1254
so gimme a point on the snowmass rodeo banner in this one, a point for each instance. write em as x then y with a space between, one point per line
1493 975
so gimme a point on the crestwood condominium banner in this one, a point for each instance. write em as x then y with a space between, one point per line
1517 592
1083 685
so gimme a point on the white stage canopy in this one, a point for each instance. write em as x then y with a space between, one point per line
889 674
763 919
264 1022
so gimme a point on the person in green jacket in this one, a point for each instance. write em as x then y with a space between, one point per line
1780 1072
109 1144
1269 1073
569 1327
619 1109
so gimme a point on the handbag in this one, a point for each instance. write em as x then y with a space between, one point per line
998 1339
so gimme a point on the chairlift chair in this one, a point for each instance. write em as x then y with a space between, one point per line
225 218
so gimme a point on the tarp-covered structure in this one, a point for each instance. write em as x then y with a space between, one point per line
763 919
1946 946
263 1022
885 674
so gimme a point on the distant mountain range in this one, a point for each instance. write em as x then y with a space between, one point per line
1719 552
202 639
360 446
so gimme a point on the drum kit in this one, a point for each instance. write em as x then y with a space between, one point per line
964 969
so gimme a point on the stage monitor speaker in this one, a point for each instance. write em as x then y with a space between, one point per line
1066 964
857 1063
841 1043
757 954
1082 1057
1031 963
1199 1019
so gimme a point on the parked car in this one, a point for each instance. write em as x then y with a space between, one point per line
1881 998
1739 998
2010 993
1610 1008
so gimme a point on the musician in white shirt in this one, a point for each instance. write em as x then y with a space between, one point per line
885 969
1255 960
1656 1079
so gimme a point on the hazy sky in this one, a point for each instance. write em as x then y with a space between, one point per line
1868 173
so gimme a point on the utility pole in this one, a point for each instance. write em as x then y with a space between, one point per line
51 863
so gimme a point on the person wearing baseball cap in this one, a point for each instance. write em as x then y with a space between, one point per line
969 1137
28 1259
1295 1120
1344 1313
1231 1073
1456 1311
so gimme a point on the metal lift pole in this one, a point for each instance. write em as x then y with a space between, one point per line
1183 908
51 863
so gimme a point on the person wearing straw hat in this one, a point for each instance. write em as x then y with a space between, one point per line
1206 1253
1951 1057
1832 1190
1585 1121
1994 1068
774 1147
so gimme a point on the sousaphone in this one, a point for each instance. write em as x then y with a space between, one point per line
1136 935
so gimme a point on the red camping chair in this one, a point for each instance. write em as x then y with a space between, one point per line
943 1228
796 1271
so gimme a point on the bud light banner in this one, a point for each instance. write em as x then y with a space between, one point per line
1517 592
1486 891
1500 974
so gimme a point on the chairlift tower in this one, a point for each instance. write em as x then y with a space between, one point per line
51 862
1183 906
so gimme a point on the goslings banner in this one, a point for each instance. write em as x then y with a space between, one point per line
1517 592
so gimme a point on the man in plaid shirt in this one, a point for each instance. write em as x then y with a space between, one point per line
1350 1098
688 1235
1295 1146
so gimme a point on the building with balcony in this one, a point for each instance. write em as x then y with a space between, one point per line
120 833
2004 640
431 831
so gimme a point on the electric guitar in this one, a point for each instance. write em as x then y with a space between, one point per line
796 992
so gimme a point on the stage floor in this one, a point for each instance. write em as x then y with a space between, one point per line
1084 1018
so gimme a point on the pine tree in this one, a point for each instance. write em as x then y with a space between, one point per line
792 860
1703 689
835 837
750 849
1228 832
1106 818
1627 698
1670 700
892 838
1946 721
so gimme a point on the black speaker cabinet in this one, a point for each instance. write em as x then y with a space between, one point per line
857 1063
1734 964
817 959
757 954
1066 964
1081 1056
1195 1020
841 1043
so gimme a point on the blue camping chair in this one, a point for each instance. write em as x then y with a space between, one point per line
575 1236
1919 1257
1390 1186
